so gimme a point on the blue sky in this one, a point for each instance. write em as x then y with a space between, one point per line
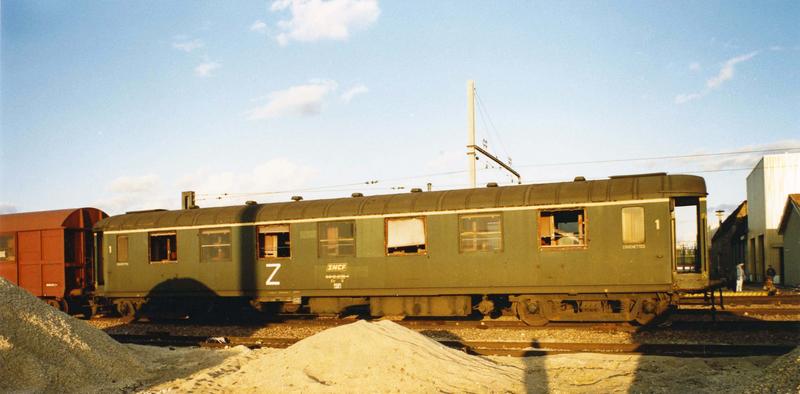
121 105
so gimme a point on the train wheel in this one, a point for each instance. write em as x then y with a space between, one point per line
530 312
53 302
125 308
649 310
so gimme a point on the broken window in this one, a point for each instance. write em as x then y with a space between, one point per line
562 228
405 236
337 239
480 232
215 245
633 227
122 248
273 241
163 247
7 247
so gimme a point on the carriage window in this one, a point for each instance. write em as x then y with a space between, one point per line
562 228
632 227
163 247
273 241
7 247
215 245
405 236
122 248
337 239
480 233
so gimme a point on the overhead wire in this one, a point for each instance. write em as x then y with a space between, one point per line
210 196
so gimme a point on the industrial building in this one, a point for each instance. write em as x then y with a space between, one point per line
768 185
789 229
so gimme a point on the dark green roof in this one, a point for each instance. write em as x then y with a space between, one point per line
622 188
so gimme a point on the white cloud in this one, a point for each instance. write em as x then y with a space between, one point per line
133 184
297 100
726 73
694 66
354 91
128 193
182 44
313 20
272 180
206 69
7 208
685 98
776 48
258 26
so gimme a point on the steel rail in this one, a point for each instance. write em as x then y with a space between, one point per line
489 348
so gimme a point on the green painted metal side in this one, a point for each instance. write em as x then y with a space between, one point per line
521 267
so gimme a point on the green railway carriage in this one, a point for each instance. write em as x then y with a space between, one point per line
582 250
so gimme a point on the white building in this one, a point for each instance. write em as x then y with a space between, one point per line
772 179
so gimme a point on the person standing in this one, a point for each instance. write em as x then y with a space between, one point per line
739 277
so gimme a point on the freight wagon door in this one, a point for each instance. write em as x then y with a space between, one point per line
30 261
53 263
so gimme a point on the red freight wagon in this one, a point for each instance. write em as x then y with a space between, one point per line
49 253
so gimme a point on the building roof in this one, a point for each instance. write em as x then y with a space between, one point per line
792 203
622 188
49 220
740 213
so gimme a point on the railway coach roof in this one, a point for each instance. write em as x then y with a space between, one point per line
623 188
49 220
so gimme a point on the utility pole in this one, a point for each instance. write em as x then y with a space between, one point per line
472 149
471 132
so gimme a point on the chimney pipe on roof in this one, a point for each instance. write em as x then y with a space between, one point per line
187 200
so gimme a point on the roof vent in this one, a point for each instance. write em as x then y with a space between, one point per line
416 190
491 184
297 198
357 195
579 179
250 202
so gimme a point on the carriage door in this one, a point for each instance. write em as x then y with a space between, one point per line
688 237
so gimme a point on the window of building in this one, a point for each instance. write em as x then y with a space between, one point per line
480 233
562 228
405 236
7 247
163 247
633 227
337 239
274 241
122 248
215 245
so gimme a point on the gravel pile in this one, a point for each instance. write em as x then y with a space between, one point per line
358 357
782 376
44 350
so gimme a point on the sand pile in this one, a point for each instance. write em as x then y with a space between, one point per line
44 350
358 357
782 376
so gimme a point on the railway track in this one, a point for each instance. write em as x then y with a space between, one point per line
488 348
730 300
729 316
